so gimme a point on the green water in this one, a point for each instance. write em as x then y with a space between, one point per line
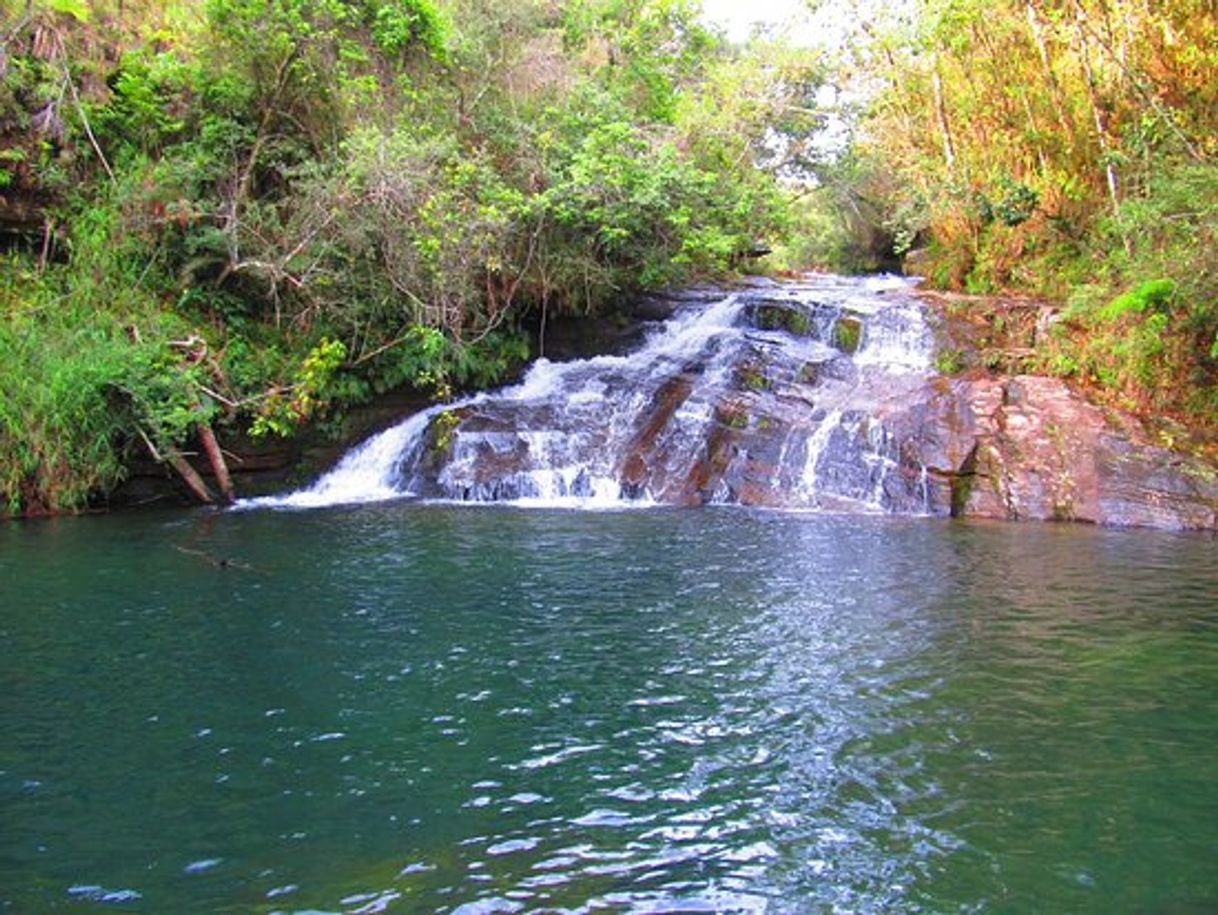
405 708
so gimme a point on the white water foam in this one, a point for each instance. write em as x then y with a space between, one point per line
569 433
373 470
367 473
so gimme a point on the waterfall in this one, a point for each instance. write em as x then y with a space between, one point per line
780 394
366 473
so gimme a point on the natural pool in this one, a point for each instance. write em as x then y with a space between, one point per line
412 708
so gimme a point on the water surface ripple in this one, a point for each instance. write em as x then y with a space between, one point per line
405 708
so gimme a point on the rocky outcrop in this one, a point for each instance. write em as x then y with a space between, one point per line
1021 446
1029 448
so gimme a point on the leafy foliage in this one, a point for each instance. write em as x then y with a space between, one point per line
252 213
283 410
1066 150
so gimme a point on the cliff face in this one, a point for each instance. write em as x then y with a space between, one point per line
1022 446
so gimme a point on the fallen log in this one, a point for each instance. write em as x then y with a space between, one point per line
216 457
188 474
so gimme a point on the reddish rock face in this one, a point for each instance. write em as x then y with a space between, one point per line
1038 451
643 454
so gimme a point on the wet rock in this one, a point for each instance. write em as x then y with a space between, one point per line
847 334
660 306
779 316
759 282
580 338
643 453
730 403
706 473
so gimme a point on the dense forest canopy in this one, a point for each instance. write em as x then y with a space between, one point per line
245 214
1064 149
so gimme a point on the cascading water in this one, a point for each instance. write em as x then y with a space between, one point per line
789 395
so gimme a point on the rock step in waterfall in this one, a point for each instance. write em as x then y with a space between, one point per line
766 396
812 394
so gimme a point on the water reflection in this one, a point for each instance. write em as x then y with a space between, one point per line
400 708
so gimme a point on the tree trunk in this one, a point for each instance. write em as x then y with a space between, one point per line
191 478
945 133
1034 131
1046 63
1097 114
216 457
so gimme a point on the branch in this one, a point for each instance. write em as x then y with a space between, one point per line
372 354
1139 88
231 404
17 27
84 118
